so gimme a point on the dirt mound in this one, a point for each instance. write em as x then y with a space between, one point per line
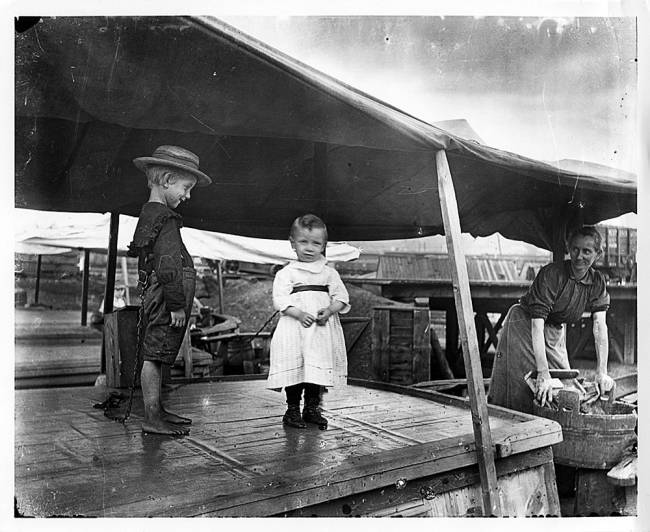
249 299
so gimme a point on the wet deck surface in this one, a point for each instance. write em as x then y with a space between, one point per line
53 348
238 458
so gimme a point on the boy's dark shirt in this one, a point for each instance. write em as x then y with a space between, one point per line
157 244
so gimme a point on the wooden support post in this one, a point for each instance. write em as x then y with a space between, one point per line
499 323
491 332
220 282
37 287
125 277
380 345
421 364
84 288
319 181
451 340
558 245
566 218
479 324
628 310
462 296
111 263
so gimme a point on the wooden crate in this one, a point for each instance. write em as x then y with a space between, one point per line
401 347
357 331
592 494
120 333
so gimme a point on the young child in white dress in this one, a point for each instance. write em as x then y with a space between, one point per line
308 348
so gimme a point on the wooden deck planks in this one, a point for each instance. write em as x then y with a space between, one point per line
38 356
238 458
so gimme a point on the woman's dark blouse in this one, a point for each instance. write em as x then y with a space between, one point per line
158 245
558 298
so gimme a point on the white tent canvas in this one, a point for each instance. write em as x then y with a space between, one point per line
39 230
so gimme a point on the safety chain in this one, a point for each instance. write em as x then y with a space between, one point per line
265 324
143 285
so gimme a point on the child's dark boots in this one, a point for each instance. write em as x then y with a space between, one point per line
292 417
311 413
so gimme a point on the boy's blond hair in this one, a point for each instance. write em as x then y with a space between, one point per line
161 175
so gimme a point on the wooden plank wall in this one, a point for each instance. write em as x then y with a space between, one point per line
401 344
438 266
526 485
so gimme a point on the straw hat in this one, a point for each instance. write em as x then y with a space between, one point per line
175 157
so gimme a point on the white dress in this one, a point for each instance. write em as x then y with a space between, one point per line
314 354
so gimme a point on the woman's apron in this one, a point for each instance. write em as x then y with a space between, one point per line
515 358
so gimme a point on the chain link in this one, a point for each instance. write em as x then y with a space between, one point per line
143 287
265 324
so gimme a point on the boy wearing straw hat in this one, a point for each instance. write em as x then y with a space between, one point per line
171 172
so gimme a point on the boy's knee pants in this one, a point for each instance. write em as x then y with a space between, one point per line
161 341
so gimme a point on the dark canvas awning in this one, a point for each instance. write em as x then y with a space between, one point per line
278 137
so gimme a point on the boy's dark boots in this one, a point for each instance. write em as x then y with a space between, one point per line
311 413
292 417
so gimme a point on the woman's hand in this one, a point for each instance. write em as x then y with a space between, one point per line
178 318
544 393
323 315
604 382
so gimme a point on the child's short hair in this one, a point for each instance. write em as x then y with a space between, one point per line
160 175
584 231
308 221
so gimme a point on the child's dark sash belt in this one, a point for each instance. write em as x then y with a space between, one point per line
310 288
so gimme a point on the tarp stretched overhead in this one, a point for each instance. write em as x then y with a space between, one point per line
278 137
27 248
60 232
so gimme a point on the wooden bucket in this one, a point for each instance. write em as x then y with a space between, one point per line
591 440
